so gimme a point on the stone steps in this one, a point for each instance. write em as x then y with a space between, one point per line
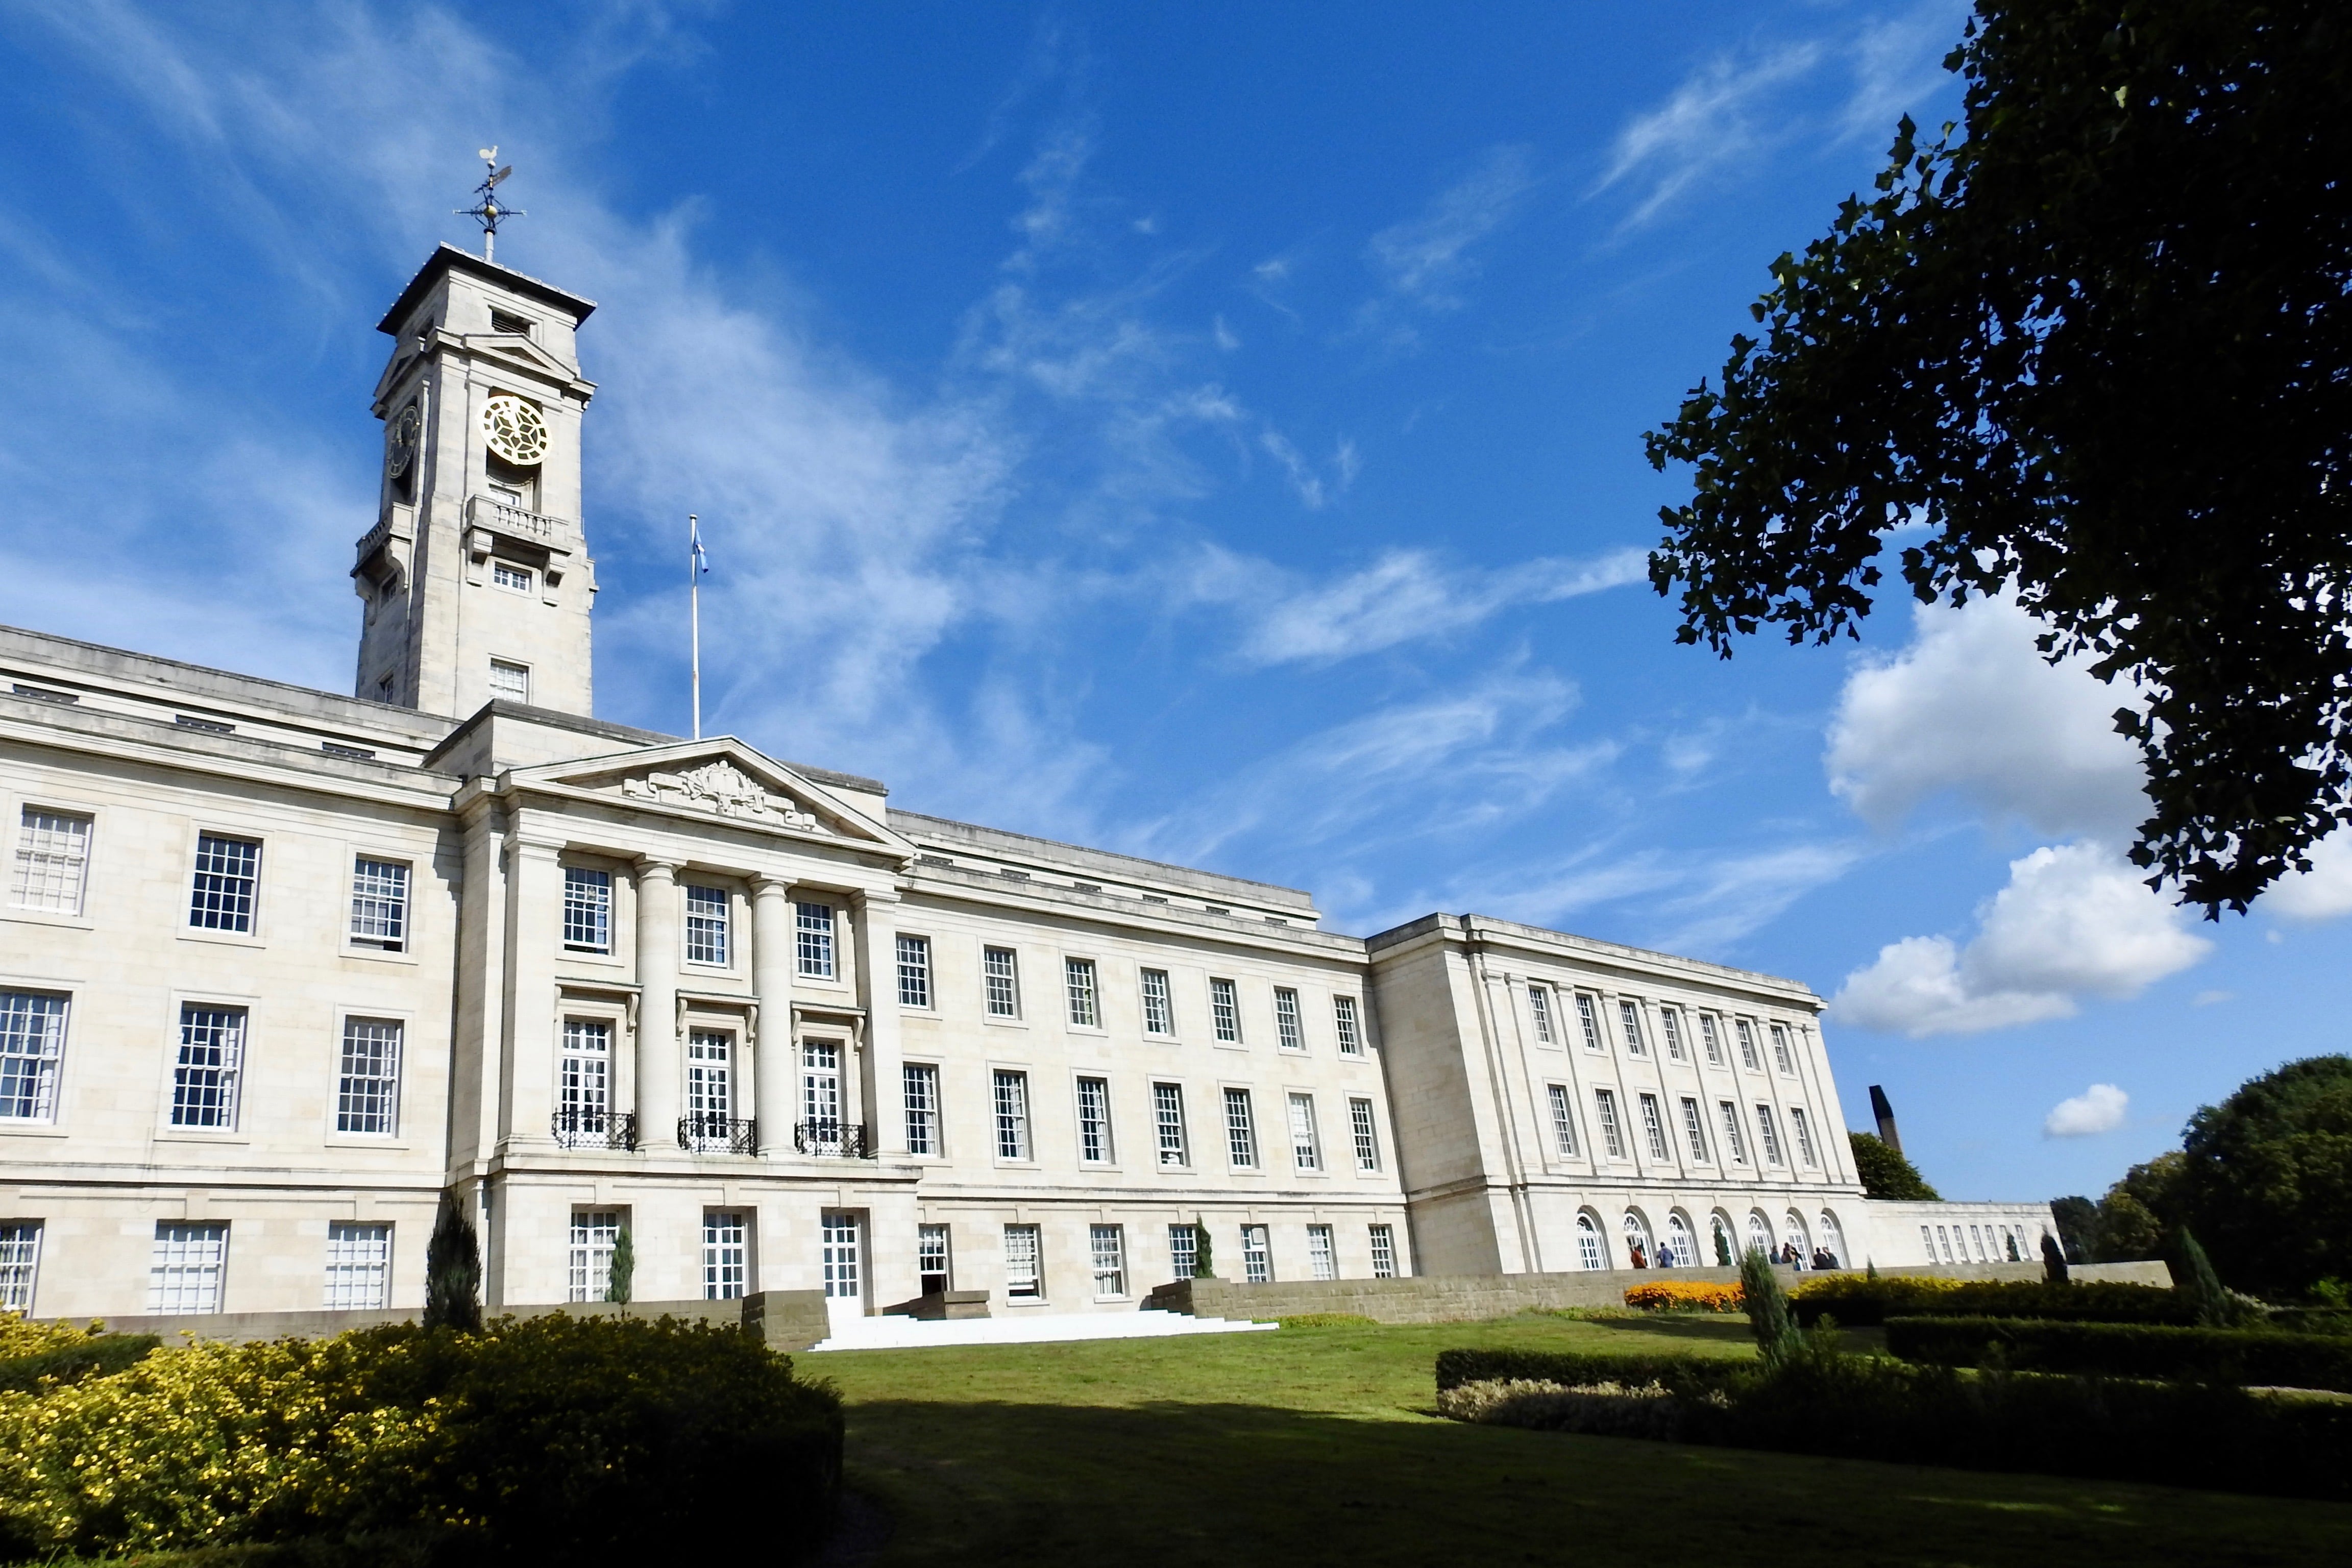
898 1332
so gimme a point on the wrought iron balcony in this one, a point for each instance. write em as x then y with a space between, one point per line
705 1133
593 1127
840 1140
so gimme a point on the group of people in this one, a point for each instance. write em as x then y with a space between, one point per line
1788 1252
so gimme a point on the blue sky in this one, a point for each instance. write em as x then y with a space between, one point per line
1212 434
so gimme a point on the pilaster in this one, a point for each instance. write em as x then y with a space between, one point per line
657 951
876 939
534 932
773 1068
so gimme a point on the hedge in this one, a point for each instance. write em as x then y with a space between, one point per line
1858 1301
2180 1434
99 1355
580 1440
2259 1357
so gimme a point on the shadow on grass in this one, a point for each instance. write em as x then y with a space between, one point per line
1684 1326
1237 1484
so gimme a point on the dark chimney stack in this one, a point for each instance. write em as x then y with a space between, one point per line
1883 1109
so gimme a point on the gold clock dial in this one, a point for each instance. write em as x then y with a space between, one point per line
514 430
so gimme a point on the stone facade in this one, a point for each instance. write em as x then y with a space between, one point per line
279 968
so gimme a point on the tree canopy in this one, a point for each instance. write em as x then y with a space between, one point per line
1885 1173
2265 1179
2093 347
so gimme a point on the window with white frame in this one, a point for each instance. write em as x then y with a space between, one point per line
1344 1025
1780 1055
379 904
32 1051
359 1267
1184 1251
1106 1245
509 680
1767 1136
1094 1120
204 1078
1240 1130
1653 1129
595 1233
710 1089
1612 1137
1225 1011
813 931
707 911
914 971
367 1080
1257 1255
1588 1017
1629 1014
185 1270
1078 981
1024 1278
587 909
931 1270
1368 1139
1710 1039
1159 1004
821 1089
507 574
1732 1140
1563 1119
20 1264
1384 1257
583 1077
1540 1009
1287 1032
1589 1252
1305 1148
921 1083
1322 1257
726 1255
1804 1136
1746 1045
842 1255
228 878
1927 1240
1001 973
1012 1115
1670 1021
52 868
1695 1131
1168 1116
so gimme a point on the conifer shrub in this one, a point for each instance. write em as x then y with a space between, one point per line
2254 1357
453 1271
1769 1317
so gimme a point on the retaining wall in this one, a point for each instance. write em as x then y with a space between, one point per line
785 1320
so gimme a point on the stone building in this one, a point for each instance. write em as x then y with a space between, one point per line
278 967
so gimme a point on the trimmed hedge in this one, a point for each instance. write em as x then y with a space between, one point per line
101 1355
1858 1301
1867 1408
2257 1357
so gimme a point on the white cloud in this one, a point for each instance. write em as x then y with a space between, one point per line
2322 893
1713 120
2098 1108
2212 998
1405 595
2075 920
1970 707
1426 262
1897 60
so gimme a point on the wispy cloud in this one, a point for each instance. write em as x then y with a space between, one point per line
1713 120
1426 262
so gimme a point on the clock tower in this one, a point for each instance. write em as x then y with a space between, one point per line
476 577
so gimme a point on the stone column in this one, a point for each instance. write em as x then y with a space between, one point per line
879 1079
657 1067
775 1072
534 933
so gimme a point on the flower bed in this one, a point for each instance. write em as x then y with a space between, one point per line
1687 1296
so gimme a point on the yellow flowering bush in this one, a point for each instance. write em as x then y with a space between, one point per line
19 1336
1687 1296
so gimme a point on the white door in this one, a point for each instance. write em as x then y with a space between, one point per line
844 1272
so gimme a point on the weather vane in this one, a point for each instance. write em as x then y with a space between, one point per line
487 211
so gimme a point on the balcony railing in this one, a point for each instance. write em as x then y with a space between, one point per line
840 1140
489 511
591 1126
706 1134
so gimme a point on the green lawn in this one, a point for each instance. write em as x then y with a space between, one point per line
1313 1446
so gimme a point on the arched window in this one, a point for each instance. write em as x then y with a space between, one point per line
1588 1243
1794 1226
1833 1238
1680 1252
1637 1234
1759 1233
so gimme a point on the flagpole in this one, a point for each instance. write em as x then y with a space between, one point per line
694 600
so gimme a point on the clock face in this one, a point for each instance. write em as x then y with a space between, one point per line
399 441
514 430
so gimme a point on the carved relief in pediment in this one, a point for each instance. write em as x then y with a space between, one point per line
724 790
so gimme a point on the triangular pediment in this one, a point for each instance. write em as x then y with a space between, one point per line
721 778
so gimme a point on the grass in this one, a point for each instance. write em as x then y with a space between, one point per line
1320 1444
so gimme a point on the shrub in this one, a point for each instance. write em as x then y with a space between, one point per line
453 1271
99 1355
1775 1332
2260 1357
1603 1410
1686 1295
1687 1375
1327 1320
1862 1303
581 1440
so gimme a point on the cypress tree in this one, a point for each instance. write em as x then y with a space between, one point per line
2197 1286
622 1275
1205 1266
1778 1338
2053 1260
1722 1249
452 1271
